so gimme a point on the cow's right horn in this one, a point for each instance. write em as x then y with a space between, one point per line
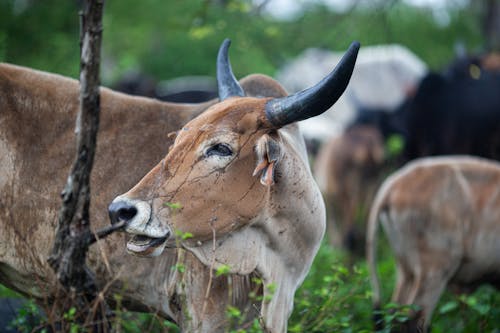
317 99
227 84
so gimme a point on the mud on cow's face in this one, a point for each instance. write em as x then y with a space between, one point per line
211 181
205 184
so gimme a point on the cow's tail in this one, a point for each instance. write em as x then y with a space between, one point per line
379 204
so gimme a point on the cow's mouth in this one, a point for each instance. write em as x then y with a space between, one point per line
144 245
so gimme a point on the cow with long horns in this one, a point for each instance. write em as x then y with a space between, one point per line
237 182
36 129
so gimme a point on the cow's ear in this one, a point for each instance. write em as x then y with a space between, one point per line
268 156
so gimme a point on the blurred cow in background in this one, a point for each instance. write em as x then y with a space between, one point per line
491 62
465 66
454 113
348 170
187 89
381 79
441 216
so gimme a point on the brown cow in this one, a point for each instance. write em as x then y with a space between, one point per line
36 148
270 225
37 117
442 219
348 170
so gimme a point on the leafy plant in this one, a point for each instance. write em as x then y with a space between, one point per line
28 318
173 205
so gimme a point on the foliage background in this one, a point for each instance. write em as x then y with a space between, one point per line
167 39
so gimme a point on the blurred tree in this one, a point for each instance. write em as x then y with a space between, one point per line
167 39
40 34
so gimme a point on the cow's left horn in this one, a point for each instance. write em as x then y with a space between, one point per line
227 83
317 99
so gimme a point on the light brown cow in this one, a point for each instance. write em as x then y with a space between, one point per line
239 174
37 117
348 170
442 219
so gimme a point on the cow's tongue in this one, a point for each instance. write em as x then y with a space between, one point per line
140 244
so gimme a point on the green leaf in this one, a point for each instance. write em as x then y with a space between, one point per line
183 235
448 307
233 312
223 270
179 267
173 205
395 144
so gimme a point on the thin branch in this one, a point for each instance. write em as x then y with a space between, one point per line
104 232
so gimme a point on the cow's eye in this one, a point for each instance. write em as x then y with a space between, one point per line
219 149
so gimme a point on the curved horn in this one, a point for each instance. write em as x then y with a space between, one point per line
316 99
227 83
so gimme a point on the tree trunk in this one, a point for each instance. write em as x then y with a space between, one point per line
73 235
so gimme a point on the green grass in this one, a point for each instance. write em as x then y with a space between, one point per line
6 292
336 297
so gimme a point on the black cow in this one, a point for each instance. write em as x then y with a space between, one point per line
449 113
454 115
180 90
456 112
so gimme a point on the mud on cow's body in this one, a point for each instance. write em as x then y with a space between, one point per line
37 118
270 230
37 122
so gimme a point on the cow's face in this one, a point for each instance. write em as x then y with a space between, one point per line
206 186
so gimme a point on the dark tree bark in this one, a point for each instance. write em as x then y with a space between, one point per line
73 235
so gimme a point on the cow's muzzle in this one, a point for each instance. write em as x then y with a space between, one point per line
146 239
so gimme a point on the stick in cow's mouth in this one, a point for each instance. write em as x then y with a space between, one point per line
105 232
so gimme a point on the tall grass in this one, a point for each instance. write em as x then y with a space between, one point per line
336 297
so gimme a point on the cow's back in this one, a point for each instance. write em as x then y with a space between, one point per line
37 145
34 135
451 203
469 180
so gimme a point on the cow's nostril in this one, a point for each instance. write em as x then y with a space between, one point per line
127 213
121 211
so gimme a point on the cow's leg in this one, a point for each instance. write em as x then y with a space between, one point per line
428 284
423 272
404 292
431 287
334 232
349 240
404 285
